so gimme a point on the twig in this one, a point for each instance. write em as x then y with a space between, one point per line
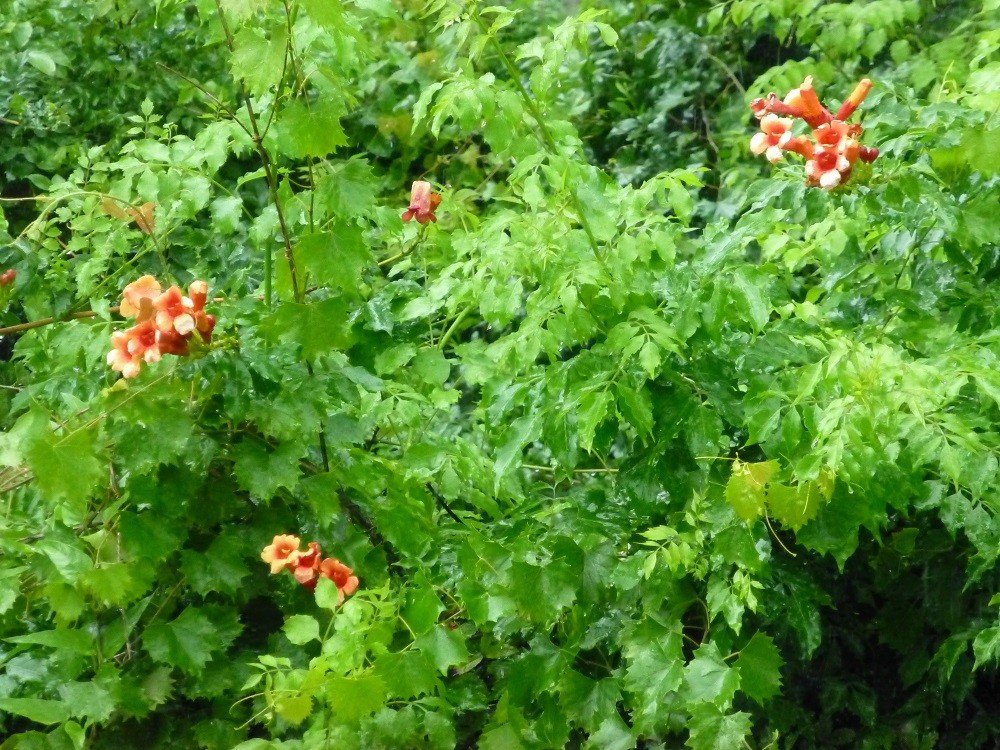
18 328
776 537
443 503
216 100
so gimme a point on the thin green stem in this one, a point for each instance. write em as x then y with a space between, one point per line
454 326
543 129
272 182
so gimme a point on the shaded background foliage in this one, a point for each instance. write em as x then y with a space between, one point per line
643 444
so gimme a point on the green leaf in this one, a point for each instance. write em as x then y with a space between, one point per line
423 607
711 729
37 710
407 674
795 506
352 699
147 536
88 700
348 188
327 595
655 666
503 737
262 472
240 10
444 647
431 366
219 568
612 734
75 641
336 257
986 646
66 468
300 629
588 701
318 327
750 299
294 708
186 642
42 61
590 412
327 13
304 130
257 59
709 679
759 665
747 487
70 560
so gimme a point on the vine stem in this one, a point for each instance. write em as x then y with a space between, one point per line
82 314
454 326
298 292
546 135
776 537
18 328
270 177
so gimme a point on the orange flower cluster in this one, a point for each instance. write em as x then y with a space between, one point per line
165 322
308 567
7 277
423 203
831 154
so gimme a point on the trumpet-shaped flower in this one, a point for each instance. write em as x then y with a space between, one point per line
423 202
835 147
281 553
308 567
341 575
137 297
174 312
827 168
165 322
306 570
775 132
133 347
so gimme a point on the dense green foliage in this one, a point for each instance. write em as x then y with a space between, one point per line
644 443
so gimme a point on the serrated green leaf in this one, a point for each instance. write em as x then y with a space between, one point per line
88 700
335 257
76 641
65 468
294 708
352 699
759 665
746 490
262 471
304 130
423 607
186 642
711 729
709 679
318 327
444 647
986 646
